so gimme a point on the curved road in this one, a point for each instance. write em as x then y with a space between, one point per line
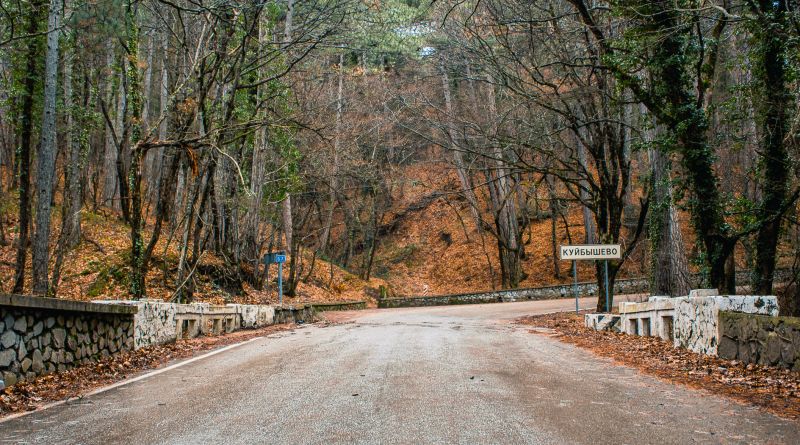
457 374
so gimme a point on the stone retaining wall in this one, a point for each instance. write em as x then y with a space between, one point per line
585 289
632 286
158 322
340 306
43 335
299 313
696 324
761 339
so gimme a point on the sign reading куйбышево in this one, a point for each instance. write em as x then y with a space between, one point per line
591 252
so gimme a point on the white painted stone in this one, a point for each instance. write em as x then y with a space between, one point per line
703 293
153 324
266 315
696 318
602 322
690 322
156 322
248 314
651 318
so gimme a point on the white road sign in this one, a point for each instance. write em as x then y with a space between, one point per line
591 252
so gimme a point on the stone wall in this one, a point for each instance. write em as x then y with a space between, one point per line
761 339
44 335
154 322
603 322
621 287
158 322
696 322
298 313
652 318
340 306
255 315
585 289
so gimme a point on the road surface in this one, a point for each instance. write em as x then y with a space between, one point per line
457 374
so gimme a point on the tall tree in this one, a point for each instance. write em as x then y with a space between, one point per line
32 76
665 42
771 43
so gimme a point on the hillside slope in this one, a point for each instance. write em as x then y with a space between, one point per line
429 245
437 249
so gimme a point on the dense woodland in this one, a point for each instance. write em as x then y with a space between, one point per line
229 129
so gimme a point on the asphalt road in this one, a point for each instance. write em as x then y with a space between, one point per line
458 374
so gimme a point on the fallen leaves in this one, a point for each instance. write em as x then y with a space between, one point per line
774 389
78 381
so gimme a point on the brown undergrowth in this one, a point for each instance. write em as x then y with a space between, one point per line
773 389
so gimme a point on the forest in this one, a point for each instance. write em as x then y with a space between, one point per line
159 148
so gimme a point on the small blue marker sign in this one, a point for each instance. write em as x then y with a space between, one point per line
276 258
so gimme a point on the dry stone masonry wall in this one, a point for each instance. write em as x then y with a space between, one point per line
43 335
761 339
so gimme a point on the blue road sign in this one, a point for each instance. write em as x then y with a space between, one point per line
275 257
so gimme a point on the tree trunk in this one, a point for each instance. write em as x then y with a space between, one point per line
600 271
74 193
504 201
113 126
458 158
326 231
555 209
286 207
771 74
287 30
252 217
189 219
73 197
45 168
32 74
165 195
134 177
669 266
589 227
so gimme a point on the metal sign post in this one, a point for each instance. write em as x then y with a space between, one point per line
575 283
280 284
603 252
279 258
608 309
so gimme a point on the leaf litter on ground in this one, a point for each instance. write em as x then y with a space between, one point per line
77 382
774 389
